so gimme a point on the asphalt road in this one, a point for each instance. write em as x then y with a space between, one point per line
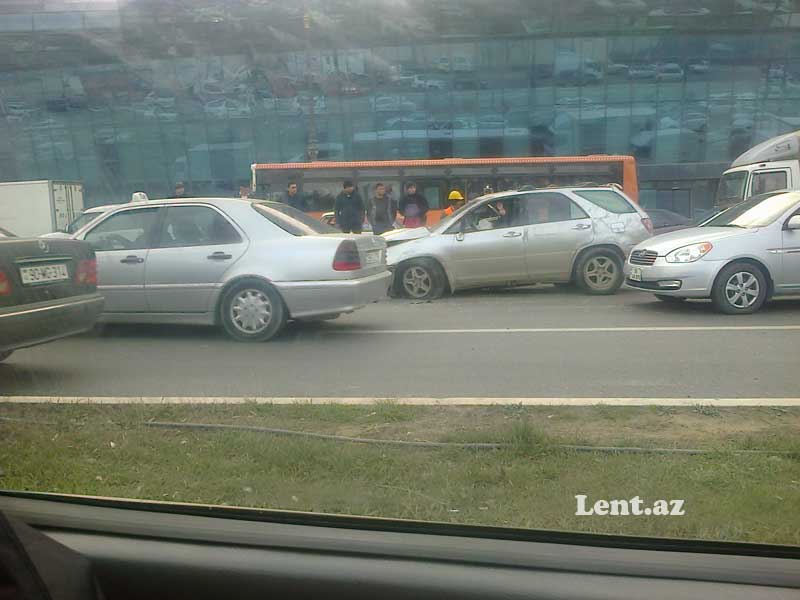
526 342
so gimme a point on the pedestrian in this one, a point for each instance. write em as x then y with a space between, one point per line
244 192
413 207
381 210
180 190
349 209
293 197
454 201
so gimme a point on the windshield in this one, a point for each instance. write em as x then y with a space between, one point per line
757 211
81 221
731 188
263 318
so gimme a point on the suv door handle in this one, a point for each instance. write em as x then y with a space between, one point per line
219 256
132 260
581 226
512 234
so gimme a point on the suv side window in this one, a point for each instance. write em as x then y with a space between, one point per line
500 213
127 230
196 226
608 200
551 207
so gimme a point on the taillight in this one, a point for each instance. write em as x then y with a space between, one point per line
87 272
347 258
5 284
648 224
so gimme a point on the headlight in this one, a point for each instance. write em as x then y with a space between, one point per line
689 254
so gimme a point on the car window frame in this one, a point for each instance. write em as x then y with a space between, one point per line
162 223
149 237
622 197
460 225
768 171
573 204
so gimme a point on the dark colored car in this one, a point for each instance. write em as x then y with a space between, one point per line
665 221
48 290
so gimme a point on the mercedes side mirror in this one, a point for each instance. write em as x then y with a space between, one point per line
793 223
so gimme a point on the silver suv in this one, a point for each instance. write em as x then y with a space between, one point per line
552 235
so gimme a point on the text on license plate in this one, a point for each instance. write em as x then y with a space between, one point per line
373 258
635 274
43 273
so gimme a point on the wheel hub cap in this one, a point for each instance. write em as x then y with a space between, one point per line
600 272
417 282
742 289
251 311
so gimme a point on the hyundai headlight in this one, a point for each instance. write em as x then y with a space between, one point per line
688 254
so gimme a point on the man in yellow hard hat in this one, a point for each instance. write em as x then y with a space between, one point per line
454 201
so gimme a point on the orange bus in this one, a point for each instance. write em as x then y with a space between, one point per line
320 182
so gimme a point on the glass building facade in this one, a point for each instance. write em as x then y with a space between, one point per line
135 95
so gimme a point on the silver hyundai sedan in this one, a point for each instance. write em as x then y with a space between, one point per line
248 266
552 235
739 258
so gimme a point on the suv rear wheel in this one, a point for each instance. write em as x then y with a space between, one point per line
599 272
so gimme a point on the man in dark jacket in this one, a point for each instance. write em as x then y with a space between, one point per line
349 209
381 210
413 207
293 197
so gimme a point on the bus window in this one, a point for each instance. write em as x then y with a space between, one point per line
320 195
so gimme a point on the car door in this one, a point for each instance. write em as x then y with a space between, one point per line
558 229
121 243
195 246
790 258
487 247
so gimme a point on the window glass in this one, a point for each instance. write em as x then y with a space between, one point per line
607 200
551 207
768 181
290 224
127 230
497 214
731 188
196 226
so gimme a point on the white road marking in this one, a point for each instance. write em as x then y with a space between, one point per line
356 401
640 329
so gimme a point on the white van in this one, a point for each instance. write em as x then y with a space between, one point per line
771 165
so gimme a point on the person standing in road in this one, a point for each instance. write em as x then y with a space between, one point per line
381 210
454 201
413 207
293 197
349 209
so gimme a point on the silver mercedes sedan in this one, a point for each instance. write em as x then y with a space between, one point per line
553 235
739 258
247 266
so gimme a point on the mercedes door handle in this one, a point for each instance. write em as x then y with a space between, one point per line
219 256
582 226
132 260
512 234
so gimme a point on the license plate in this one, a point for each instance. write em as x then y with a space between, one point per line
373 259
635 274
43 274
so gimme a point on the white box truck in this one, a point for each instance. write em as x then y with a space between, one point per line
769 166
33 208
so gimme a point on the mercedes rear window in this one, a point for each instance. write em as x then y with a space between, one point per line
290 224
